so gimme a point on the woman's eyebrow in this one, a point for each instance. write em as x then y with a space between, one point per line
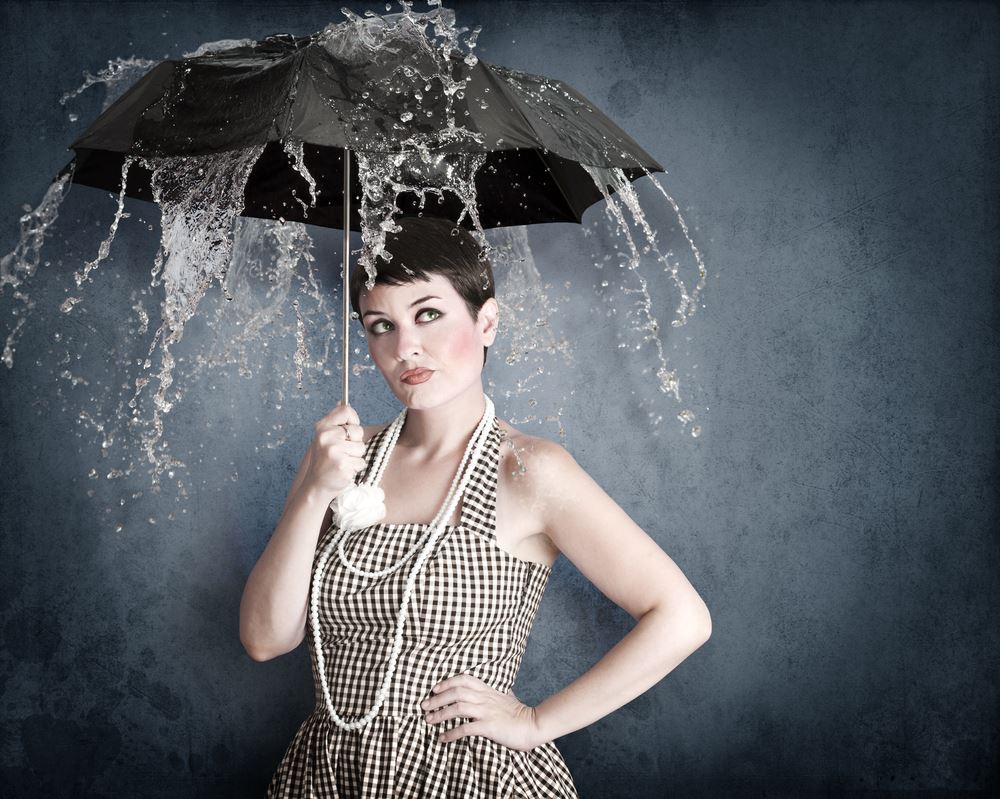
415 302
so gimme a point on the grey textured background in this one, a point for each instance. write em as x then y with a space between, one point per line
838 515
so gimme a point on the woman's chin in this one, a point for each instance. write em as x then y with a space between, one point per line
417 396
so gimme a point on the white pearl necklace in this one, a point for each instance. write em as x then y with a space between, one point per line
456 490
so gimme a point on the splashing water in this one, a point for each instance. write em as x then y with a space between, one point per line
648 324
18 266
251 287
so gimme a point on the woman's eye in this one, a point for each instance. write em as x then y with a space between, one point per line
375 325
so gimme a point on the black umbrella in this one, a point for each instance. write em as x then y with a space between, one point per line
371 86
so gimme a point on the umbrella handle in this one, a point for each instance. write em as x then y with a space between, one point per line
346 268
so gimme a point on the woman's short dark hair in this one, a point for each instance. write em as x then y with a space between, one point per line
427 246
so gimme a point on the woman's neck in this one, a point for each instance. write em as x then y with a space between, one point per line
433 433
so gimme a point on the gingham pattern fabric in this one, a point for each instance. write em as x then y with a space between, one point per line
471 610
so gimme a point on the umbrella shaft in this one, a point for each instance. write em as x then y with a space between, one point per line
347 265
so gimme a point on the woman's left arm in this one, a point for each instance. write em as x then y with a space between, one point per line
631 569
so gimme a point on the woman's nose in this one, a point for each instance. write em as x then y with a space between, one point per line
407 343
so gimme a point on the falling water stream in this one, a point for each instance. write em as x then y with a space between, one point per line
261 303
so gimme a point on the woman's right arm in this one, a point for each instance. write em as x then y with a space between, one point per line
274 604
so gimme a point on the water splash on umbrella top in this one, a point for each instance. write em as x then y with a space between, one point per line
244 207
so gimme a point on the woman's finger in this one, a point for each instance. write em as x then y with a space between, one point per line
462 730
457 709
353 432
335 439
342 414
449 695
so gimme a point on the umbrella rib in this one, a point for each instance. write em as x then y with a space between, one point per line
514 100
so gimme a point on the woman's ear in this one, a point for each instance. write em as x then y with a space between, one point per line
489 316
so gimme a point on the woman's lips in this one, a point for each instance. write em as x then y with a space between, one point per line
417 376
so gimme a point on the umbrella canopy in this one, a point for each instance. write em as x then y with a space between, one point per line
332 93
377 86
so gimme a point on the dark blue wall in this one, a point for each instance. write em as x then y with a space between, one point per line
838 514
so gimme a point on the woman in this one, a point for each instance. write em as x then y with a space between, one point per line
417 623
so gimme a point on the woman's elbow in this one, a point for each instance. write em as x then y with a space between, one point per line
256 651
708 625
251 643
703 625
261 652
694 624
258 655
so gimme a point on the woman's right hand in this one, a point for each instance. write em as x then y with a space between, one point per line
333 459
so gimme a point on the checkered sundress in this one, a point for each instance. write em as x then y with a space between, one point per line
472 608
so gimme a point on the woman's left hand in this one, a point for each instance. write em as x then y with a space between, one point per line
501 717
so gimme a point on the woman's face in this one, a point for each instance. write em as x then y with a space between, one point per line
425 325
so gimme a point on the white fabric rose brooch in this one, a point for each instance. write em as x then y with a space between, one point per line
359 506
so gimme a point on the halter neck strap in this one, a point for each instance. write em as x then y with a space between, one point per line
478 511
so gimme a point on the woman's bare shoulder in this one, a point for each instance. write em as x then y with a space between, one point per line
530 473
522 454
